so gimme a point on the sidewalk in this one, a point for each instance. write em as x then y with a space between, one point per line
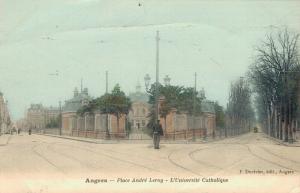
4 139
294 144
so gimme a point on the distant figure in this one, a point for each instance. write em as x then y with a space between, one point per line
157 132
29 131
19 131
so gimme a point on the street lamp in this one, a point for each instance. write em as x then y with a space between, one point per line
147 82
148 89
167 80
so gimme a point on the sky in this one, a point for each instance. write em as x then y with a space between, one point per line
84 38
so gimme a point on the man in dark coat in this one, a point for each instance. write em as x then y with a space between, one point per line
157 132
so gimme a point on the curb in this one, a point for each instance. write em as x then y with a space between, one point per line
280 142
74 139
145 141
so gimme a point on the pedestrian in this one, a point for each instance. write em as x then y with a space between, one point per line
29 131
157 132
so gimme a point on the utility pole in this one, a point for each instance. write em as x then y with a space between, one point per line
60 117
106 78
194 107
157 78
81 85
106 92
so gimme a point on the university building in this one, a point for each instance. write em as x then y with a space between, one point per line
138 115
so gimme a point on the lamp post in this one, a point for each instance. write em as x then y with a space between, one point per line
147 85
194 106
147 81
167 80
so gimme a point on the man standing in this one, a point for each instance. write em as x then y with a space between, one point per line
157 132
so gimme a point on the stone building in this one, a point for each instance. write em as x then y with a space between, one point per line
36 116
138 115
5 121
52 114
69 114
39 116
94 125
181 125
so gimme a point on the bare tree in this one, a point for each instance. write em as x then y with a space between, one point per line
239 109
274 76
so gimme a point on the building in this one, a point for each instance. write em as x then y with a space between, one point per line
93 124
39 117
182 125
138 115
52 115
36 116
70 120
5 122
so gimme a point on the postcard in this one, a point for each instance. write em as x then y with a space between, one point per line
149 96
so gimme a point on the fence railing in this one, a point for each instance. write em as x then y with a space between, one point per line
176 135
98 134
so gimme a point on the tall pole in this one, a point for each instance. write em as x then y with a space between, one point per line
106 78
81 85
157 77
60 117
194 107
106 92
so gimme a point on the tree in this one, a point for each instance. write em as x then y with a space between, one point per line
116 103
178 97
53 123
274 75
239 108
220 115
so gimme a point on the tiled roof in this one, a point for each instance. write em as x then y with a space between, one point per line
73 104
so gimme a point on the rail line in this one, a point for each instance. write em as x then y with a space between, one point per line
46 159
181 166
115 158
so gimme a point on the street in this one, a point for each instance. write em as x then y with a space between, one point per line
36 163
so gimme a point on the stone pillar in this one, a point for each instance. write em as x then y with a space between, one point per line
78 125
95 121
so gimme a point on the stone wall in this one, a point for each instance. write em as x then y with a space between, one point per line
184 126
92 125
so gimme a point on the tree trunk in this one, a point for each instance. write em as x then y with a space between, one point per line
275 121
269 121
285 124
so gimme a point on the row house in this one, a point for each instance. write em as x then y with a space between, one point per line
39 116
